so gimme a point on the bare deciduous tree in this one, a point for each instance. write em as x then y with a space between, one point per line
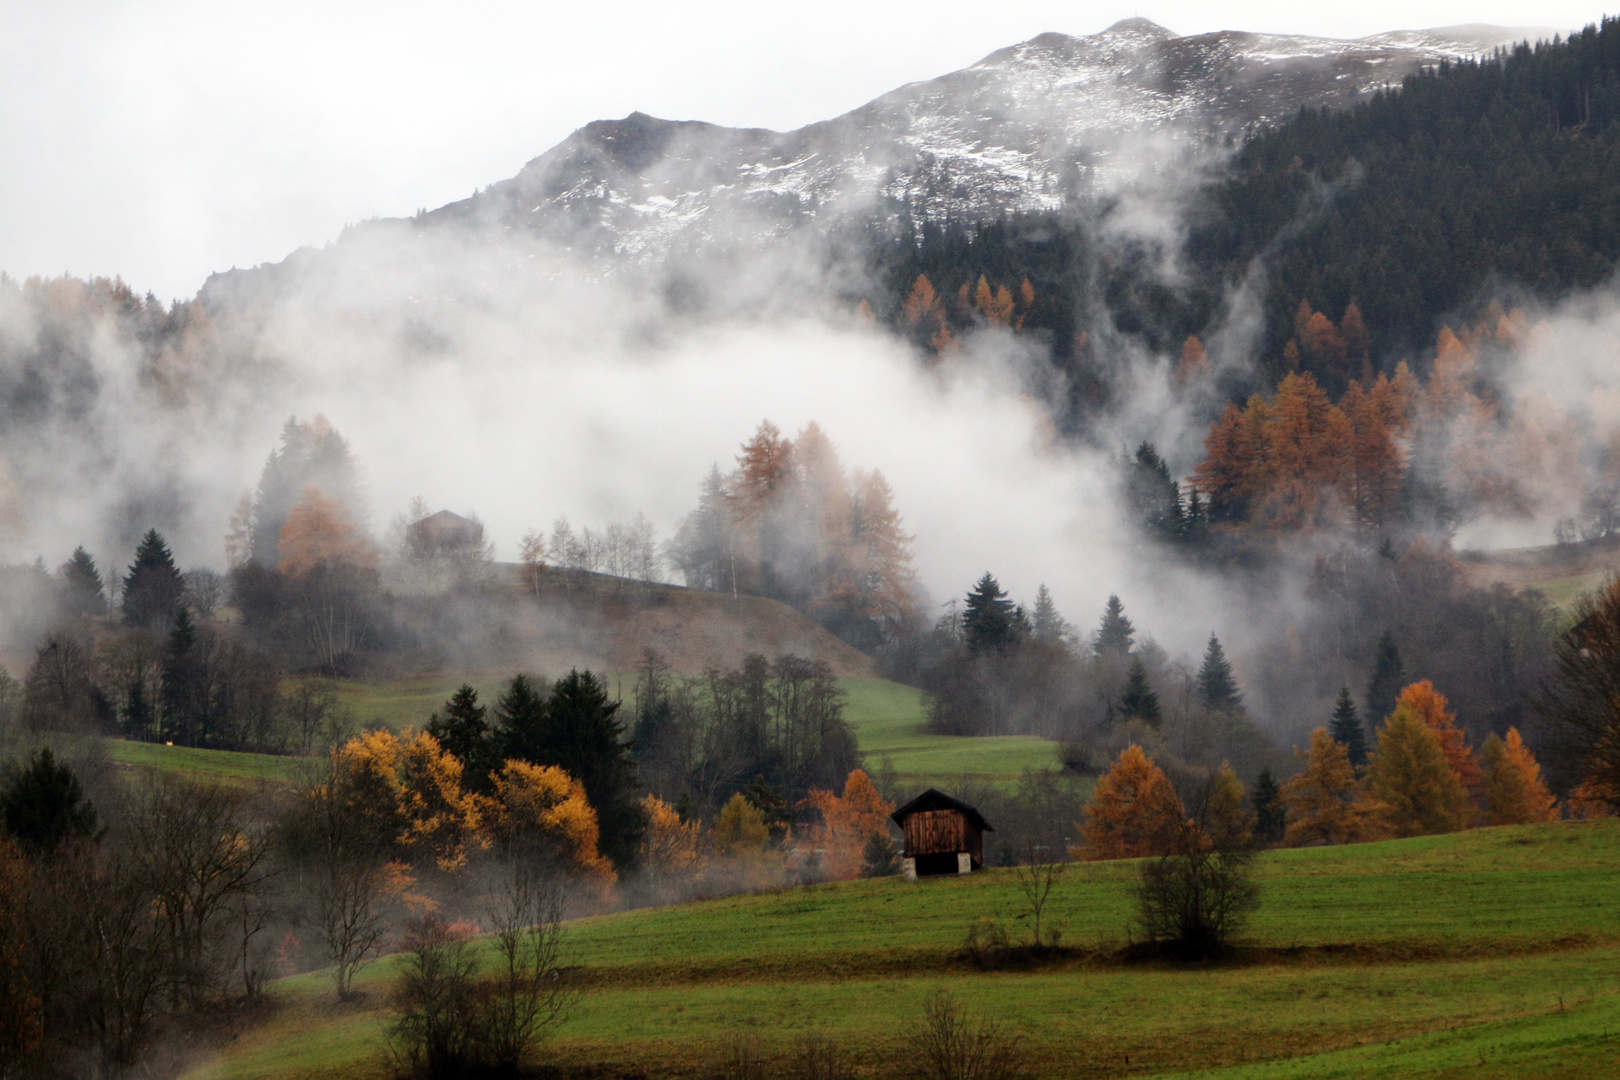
950 1046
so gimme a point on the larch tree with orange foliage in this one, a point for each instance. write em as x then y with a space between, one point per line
1515 793
329 568
848 823
926 317
1434 710
1134 811
1418 791
1326 802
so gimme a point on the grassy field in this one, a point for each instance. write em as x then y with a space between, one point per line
213 764
887 717
1493 953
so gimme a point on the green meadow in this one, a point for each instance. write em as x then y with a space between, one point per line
888 719
1491 953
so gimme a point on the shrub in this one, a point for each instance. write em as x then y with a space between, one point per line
950 1046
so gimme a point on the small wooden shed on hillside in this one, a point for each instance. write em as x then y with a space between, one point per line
942 835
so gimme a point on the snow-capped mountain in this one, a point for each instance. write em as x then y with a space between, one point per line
1026 128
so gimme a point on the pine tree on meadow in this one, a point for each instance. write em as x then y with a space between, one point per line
1515 793
1418 791
1388 676
1137 701
152 588
464 734
1046 623
1270 814
990 621
1115 634
584 739
82 585
1217 688
1346 728
520 727
181 693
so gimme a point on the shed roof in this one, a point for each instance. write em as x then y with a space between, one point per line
934 799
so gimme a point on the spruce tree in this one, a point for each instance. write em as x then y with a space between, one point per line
43 805
1115 634
180 692
1138 701
463 733
152 587
1346 728
583 738
83 591
1388 677
990 621
1047 624
1217 689
1270 815
520 721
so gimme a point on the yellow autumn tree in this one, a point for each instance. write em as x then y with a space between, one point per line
1226 822
1326 803
848 822
1134 811
1419 792
405 792
670 847
740 830
1515 793
539 811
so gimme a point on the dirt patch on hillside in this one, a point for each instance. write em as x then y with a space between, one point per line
591 620
1525 568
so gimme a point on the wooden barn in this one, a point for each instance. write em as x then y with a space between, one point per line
942 835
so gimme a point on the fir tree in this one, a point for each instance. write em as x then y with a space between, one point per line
463 733
1346 728
990 621
1138 701
520 721
1388 676
1270 815
44 805
1047 624
152 587
1217 689
84 593
1115 634
585 740
180 693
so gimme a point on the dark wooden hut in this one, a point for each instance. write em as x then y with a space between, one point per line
942 835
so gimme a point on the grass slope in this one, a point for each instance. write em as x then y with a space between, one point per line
1492 953
226 765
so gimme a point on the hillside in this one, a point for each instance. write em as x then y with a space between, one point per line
1564 572
1491 953
575 619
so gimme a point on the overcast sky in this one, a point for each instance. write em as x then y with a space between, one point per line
162 141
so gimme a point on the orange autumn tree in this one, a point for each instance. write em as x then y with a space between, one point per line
1515 793
320 531
848 823
1326 802
1434 710
1134 811
406 791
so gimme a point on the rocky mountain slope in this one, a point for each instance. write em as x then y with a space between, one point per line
1031 127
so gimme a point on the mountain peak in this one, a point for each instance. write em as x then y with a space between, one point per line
1138 27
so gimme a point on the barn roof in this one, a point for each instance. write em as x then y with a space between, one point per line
934 799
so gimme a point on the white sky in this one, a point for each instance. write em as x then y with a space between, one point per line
164 140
